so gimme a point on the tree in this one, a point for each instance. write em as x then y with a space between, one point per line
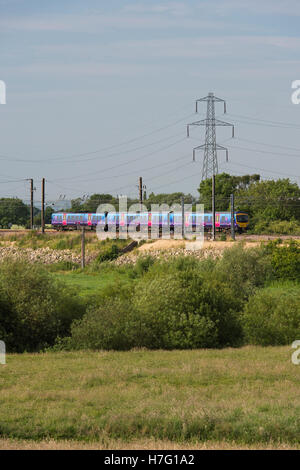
270 200
165 198
13 211
91 204
225 185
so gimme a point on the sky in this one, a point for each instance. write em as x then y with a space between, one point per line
99 93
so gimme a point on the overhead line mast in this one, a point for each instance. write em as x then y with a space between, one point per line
210 160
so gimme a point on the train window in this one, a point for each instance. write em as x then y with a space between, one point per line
242 217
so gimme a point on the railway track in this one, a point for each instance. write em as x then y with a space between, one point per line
240 237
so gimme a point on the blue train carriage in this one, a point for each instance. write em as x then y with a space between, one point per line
70 221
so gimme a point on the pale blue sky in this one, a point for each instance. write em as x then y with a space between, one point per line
87 75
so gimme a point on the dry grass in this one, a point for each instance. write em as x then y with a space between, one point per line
142 444
235 398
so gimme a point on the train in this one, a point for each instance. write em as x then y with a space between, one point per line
161 220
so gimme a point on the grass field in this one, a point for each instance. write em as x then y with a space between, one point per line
91 283
86 284
231 398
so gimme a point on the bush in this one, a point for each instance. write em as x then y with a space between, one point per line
142 265
285 259
272 316
183 310
243 270
107 327
177 309
282 227
34 308
109 253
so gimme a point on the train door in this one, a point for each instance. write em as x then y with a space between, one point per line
217 221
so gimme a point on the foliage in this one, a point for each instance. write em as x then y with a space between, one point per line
285 259
267 201
272 316
273 206
280 227
168 198
225 185
108 253
13 211
37 217
34 309
165 308
244 269
91 204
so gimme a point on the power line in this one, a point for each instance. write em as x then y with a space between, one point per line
263 169
264 151
124 163
269 145
130 172
104 149
268 121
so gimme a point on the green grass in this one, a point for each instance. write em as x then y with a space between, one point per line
87 283
247 396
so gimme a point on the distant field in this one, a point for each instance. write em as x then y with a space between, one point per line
237 398
87 284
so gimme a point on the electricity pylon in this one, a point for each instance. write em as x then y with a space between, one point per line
210 160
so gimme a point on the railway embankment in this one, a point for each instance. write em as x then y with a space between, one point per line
40 255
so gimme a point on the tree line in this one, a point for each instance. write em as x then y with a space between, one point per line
267 202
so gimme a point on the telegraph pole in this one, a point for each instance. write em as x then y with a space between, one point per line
213 207
31 203
210 161
141 192
82 247
232 216
182 216
43 206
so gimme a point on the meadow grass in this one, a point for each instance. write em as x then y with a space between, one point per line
87 283
236 398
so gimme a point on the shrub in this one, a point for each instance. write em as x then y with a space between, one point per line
272 316
283 227
285 259
108 253
142 265
243 269
184 310
34 308
107 327
164 310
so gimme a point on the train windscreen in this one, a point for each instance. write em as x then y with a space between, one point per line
242 218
